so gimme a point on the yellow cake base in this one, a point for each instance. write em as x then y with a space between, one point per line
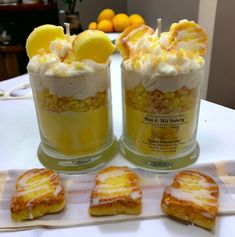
75 133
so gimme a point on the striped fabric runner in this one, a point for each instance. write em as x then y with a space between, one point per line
78 188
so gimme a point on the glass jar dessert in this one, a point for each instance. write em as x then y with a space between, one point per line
72 97
160 122
161 85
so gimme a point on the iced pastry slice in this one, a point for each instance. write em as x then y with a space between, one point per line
192 197
116 191
38 192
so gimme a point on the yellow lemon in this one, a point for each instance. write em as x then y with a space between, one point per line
92 25
120 22
137 19
106 14
41 37
94 45
105 26
129 37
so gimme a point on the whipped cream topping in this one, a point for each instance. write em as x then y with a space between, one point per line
78 87
60 47
164 83
51 65
153 57
163 64
63 76
59 61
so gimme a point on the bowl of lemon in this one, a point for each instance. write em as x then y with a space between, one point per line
113 24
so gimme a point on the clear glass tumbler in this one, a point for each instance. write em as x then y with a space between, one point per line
75 120
160 119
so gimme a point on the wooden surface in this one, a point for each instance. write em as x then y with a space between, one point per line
18 21
9 65
28 7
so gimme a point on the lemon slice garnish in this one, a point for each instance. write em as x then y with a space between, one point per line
189 36
41 37
129 38
94 45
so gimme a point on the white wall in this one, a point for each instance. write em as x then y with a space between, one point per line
169 10
206 18
221 86
89 9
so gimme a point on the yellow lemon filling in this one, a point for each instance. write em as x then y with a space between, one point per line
76 133
74 127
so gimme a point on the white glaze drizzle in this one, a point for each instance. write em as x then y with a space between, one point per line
199 192
200 197
135 195
103 189
38 187
32 189
111 174
113 189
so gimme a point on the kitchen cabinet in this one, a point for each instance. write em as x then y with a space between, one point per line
16 23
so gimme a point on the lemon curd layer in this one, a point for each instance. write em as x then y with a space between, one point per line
75 133
72 126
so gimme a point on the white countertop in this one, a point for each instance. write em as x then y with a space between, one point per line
20 139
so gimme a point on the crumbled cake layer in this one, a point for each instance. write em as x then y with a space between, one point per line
157 101
57 104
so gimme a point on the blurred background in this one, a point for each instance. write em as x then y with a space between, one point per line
19 17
